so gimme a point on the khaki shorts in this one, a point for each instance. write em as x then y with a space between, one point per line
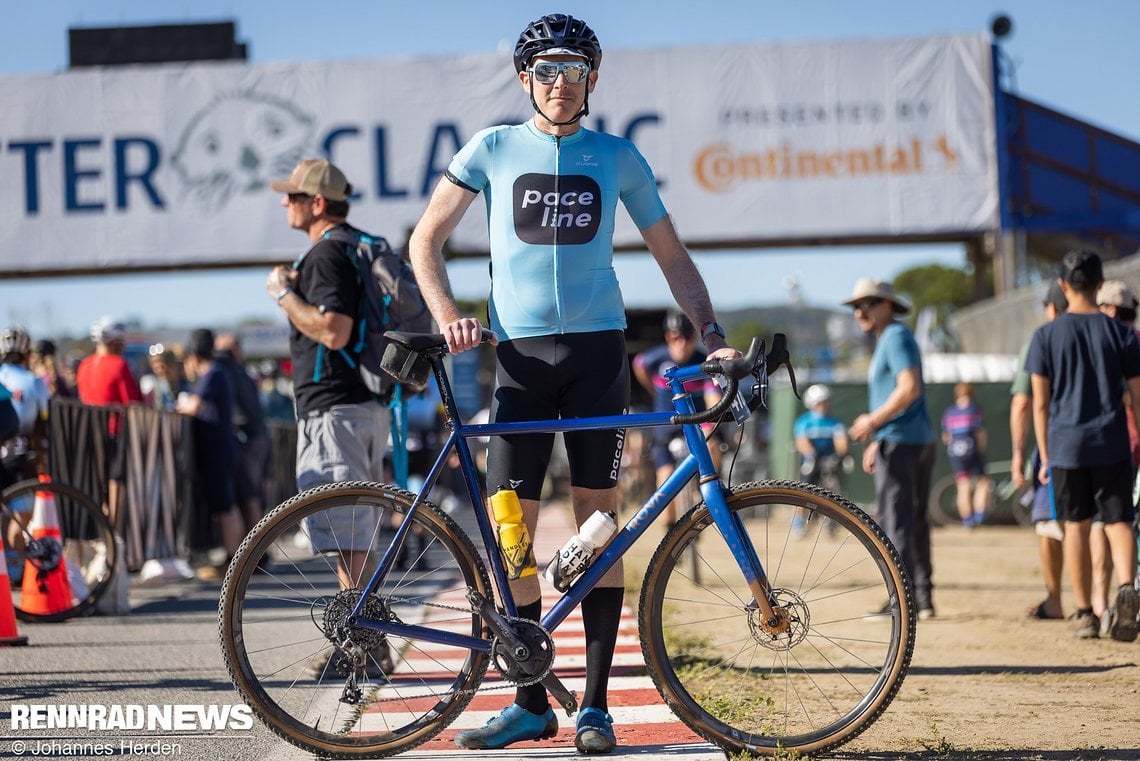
345 443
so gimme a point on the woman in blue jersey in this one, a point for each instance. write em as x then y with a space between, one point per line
551 188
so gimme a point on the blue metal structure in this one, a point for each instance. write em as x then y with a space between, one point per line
1062 180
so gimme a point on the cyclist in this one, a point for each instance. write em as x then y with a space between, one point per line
551 188
23 455
680 349
821 441
964 434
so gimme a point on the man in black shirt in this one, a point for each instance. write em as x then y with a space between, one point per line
342 431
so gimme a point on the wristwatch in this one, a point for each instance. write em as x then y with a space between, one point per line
283 293
711 327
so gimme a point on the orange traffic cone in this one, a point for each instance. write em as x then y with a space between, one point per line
46 591
8 633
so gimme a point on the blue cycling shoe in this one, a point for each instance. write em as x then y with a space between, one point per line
513 724
595 732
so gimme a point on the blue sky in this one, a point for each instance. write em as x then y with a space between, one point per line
1079 58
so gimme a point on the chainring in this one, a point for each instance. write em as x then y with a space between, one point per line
536 666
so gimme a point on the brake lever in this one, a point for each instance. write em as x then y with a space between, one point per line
779 356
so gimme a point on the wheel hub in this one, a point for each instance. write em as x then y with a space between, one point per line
789 626
44 553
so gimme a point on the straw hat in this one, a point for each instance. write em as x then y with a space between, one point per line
1116 293
869 288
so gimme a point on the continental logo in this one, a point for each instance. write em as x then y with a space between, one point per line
719 167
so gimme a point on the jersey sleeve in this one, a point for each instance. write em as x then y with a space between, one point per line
471 167
639 188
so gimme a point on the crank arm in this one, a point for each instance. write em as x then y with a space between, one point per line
499 625
565 697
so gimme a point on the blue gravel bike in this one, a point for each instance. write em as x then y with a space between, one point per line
781 643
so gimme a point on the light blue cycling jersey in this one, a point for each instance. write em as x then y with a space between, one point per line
550 211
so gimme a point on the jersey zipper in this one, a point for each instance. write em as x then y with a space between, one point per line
558 305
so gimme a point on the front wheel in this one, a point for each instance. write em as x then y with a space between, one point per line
321 681
60 550
845 634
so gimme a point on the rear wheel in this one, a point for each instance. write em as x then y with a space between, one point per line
60 550
335 688
830 665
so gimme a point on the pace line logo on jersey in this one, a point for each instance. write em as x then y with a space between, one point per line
573 211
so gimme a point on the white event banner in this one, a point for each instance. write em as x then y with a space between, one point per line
147 167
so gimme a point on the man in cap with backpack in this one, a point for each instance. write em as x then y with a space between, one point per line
342 427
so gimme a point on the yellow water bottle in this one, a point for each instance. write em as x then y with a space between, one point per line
514 539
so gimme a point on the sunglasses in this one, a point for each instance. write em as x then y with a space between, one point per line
546 72
865 305
299 197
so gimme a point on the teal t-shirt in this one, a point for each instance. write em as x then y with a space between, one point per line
895 351
551 204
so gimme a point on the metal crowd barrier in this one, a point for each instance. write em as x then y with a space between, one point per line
155 509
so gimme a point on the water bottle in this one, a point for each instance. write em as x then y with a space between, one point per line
576 554
514 539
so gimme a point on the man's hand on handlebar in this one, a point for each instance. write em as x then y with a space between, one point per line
465 333
719 348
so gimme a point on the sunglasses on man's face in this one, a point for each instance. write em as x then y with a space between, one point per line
546 72
866 305
299 197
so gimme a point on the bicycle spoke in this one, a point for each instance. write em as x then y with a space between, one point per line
833 666
336 688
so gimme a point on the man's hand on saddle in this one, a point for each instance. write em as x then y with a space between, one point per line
463 334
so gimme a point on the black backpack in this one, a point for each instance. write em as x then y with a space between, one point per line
390 300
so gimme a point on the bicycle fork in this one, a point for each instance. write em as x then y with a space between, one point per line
772 620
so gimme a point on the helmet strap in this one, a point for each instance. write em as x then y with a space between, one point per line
583 111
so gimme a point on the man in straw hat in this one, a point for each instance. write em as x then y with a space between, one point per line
900 454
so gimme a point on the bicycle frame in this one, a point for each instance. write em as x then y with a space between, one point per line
698 462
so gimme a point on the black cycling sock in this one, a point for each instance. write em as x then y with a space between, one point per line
532 698
601 617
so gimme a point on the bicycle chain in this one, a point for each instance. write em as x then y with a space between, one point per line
371 699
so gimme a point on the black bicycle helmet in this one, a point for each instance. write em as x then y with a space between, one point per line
557 30
677 322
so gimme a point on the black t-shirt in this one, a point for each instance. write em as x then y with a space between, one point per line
214 439
327 280
249 418
1087 358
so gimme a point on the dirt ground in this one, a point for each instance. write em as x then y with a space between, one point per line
986 682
